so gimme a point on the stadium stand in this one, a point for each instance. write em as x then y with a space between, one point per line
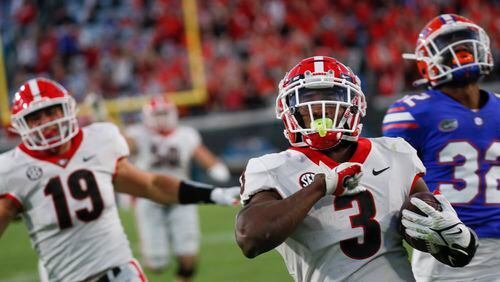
127 48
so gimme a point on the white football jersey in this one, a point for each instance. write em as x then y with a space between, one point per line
170 153
352 238
68 204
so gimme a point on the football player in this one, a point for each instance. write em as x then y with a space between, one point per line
61 181
161 146
454 126
312 203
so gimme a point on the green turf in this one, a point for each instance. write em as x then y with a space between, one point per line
221 259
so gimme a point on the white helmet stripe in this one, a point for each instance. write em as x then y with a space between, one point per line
35 91
319 65
448 18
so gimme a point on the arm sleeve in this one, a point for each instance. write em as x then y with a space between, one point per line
256 178
118 143
193 138
417 167
112 145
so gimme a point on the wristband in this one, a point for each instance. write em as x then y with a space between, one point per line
191 192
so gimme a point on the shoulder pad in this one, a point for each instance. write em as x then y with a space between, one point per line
104 129
266 162
395 144
411 101
7 160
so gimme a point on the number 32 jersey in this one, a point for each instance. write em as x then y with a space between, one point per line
67 203
351 238
460 149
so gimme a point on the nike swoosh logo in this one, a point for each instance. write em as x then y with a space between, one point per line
377 172
457 232
86 159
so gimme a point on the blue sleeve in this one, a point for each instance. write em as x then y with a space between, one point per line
400 121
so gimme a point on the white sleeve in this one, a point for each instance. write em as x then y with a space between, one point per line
111 145
9 171
255 178
118 143
193 138
412 163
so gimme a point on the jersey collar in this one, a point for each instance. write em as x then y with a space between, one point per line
62 159
359 156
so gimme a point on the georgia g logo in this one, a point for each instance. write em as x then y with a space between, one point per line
34 173
306 178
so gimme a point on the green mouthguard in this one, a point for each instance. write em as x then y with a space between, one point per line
321 127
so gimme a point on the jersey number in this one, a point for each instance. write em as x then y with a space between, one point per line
82 184
365 219
171 158
467 177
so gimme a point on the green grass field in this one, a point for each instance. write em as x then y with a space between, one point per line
221 259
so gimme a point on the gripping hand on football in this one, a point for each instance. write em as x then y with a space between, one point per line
442 228
343 179
226 196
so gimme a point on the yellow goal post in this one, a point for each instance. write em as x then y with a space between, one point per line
194 96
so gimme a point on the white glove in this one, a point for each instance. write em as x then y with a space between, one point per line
226 196
343 179
438 227
219 172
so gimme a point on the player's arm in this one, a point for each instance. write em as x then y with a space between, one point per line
167 189
419 185
217 170
267 219
8 211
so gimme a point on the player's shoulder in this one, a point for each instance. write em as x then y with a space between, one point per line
136 128
414 103
268 162
8 161
393 144
103 130
183 129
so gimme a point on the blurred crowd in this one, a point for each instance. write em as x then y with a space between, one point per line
134 47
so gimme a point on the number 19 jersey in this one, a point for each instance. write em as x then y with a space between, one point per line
352 238
67 203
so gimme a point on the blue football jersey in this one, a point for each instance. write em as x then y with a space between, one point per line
459 147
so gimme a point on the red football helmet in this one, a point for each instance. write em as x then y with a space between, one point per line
321 103
38 94
452 48
160 114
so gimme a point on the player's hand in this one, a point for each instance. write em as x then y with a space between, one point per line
343 179
226 196
438 227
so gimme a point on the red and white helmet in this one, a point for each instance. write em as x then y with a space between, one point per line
160 114
452 48
339 88
38 94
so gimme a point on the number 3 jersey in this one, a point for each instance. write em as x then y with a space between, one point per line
459 147
67 203
352 238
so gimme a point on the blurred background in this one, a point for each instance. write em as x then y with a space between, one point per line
220 61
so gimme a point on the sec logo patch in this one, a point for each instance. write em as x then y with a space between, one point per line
306 178
34 173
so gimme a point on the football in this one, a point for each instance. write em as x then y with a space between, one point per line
427 197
